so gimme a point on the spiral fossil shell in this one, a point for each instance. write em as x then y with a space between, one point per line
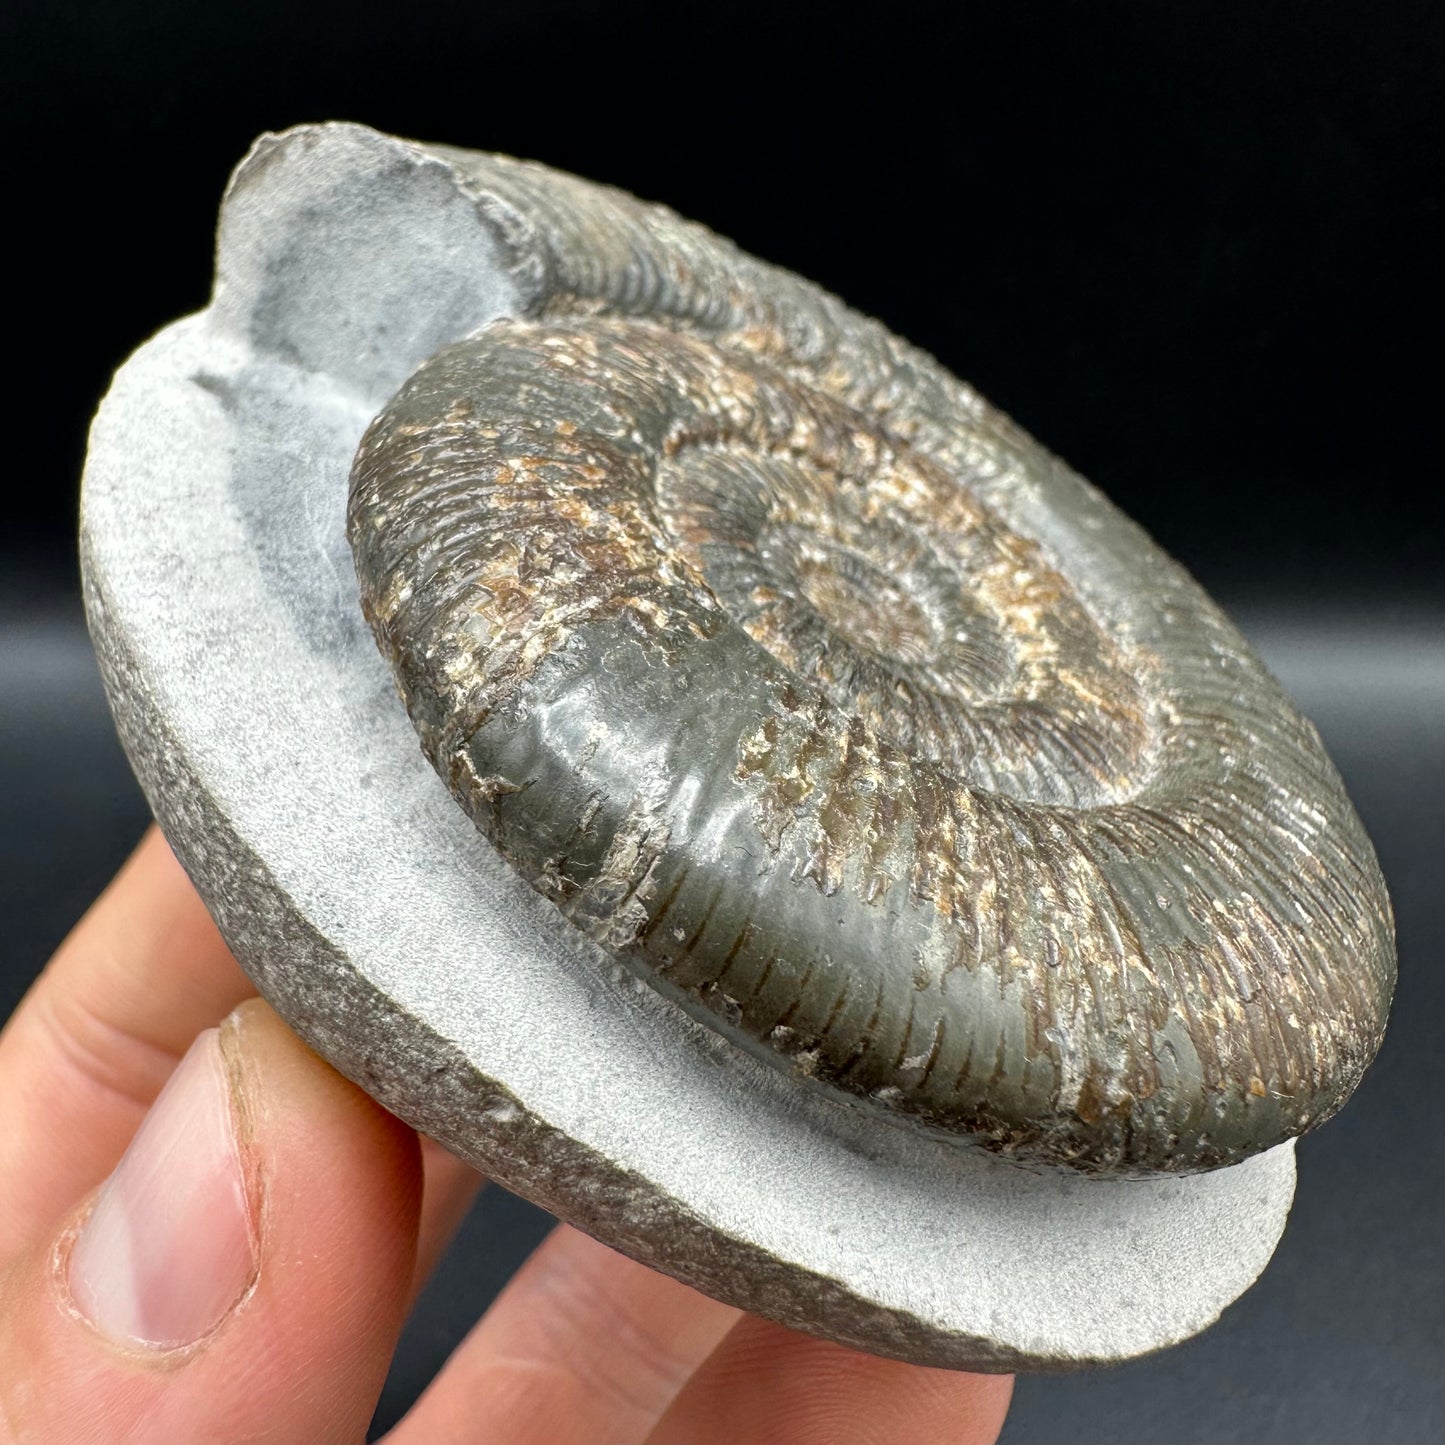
808 685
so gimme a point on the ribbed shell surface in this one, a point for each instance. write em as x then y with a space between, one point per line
808 685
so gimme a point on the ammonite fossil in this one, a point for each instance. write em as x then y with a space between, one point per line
803 680
889 884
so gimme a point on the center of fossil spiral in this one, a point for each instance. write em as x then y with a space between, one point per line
880 580
853 587
867 607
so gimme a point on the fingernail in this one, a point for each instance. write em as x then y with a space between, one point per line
169 1248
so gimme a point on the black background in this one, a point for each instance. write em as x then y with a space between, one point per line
1192 247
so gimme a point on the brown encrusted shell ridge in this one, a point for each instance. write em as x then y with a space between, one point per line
805 682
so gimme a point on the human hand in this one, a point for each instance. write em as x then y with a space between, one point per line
244 1270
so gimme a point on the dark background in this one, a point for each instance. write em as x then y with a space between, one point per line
1192 247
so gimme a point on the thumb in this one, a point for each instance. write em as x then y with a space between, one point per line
243 1274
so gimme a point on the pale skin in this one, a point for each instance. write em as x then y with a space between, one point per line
344 1210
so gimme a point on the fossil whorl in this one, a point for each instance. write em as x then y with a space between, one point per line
807 684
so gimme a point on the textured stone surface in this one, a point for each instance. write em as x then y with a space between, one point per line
266 731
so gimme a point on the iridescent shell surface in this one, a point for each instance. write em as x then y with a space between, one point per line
809 686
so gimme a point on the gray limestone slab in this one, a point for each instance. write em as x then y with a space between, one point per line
265 729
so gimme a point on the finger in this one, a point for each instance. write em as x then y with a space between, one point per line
583 1346
243 1274
449 1189
771 1386
100 1031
